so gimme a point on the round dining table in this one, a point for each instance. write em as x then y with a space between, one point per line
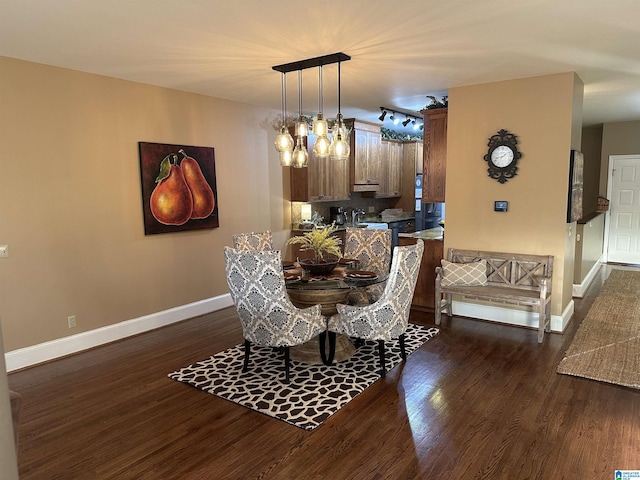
327 291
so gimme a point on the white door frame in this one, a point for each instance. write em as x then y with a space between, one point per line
607 219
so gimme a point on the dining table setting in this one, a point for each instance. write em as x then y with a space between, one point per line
327 290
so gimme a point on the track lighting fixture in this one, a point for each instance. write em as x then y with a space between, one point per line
415 120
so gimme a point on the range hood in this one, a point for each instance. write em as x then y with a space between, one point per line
365 187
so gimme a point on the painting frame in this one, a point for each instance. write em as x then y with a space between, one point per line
576 187
167 210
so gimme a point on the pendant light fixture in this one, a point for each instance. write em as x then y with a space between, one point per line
320 127
339 141
300 154
339 148
284 140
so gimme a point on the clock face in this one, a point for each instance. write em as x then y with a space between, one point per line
502 156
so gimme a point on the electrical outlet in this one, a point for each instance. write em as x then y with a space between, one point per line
4 251
71 321
372 209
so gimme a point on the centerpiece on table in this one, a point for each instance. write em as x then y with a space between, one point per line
326 249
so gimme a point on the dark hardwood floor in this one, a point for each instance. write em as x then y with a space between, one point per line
479 401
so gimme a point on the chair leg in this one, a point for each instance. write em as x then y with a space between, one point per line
383 369
247 352
286 364
403 351
332 348
322 343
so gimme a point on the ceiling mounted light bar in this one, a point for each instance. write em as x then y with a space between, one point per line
312 62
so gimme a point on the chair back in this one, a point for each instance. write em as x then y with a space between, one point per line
371 247
402 280
388 317
259 242
258 291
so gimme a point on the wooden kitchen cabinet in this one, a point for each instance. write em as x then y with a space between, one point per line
411 166
390 169
323 179
364 168
435 154
424 296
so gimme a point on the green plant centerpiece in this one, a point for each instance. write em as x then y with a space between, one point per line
325 247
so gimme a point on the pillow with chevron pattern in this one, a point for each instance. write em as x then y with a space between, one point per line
467 274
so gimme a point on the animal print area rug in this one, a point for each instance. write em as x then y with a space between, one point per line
316 391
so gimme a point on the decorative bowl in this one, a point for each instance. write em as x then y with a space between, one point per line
318 268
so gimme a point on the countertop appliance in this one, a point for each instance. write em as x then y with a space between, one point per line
337 215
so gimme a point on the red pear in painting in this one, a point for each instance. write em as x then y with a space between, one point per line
171 200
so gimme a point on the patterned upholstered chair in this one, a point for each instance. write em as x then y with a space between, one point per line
268 317
259 242
387 318
372 248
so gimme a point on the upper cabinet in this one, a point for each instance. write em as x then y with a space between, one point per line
323 179
364 168
435 154
391 154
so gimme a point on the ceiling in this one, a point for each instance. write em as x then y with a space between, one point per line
400 51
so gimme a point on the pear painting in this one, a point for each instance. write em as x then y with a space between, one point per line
178 184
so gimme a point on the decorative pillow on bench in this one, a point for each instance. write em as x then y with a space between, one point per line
467 274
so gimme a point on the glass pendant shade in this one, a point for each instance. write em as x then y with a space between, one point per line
321 147
284 140
302 127
300 155
340 148
320 126
286 158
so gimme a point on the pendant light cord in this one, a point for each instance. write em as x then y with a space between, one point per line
300 93
284 99
320 99
339 87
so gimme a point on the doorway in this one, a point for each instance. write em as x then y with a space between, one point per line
623 217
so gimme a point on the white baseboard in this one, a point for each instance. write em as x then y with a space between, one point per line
510 316
43 352
579 289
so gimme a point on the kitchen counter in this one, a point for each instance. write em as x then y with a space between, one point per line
436 233
386 218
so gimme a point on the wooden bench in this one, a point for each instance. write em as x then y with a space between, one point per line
511 278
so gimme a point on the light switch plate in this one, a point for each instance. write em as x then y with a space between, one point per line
500 206
4 251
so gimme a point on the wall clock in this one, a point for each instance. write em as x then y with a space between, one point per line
502 156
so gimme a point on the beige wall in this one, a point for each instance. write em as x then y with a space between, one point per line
540 111
619 138
71 202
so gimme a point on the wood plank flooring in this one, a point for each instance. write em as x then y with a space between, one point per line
479 401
